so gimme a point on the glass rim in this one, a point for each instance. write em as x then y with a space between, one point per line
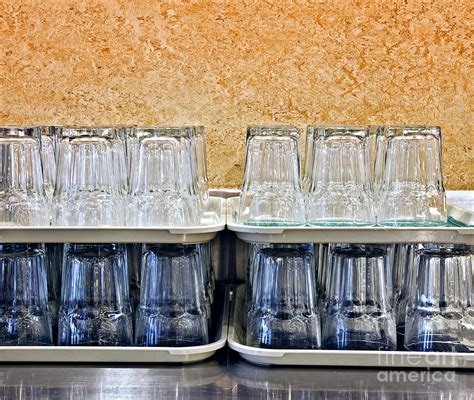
278 251
359 252
171 252
445 250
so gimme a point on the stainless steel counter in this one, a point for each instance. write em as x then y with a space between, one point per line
226 376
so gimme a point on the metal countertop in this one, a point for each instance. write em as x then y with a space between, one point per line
226 376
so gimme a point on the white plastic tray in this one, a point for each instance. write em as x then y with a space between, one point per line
212 222
370 234
339 358
97 354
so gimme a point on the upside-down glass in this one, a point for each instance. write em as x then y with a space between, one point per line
23 200
171 310
205 286
48 159
134 260
338 191
271 192
323 272
54 253
198 143
24 316
163 178
308 160
409 177
404 275
205 254
283 311
440 312
90 187
359 315
95 305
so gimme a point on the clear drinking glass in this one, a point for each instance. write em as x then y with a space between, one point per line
198 143
163 178
48 159
410 177
359 315
440 313
171 310
271 193
23 200
90 187
283 310
24 316
339 192
95 306
308 160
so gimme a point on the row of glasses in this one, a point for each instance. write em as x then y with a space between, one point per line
353 176
360 297
94 306
103 176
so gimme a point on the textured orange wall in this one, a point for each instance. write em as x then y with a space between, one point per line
227 64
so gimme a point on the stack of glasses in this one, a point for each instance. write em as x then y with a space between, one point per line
103 176
361 297
354 176
92 305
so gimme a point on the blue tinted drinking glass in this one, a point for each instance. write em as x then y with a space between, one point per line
440 313
134 260
283 310
205 258
171 310
203 271
323 274
24 316
359 314
404 275
54 253
95 306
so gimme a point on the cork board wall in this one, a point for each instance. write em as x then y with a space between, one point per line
228 64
